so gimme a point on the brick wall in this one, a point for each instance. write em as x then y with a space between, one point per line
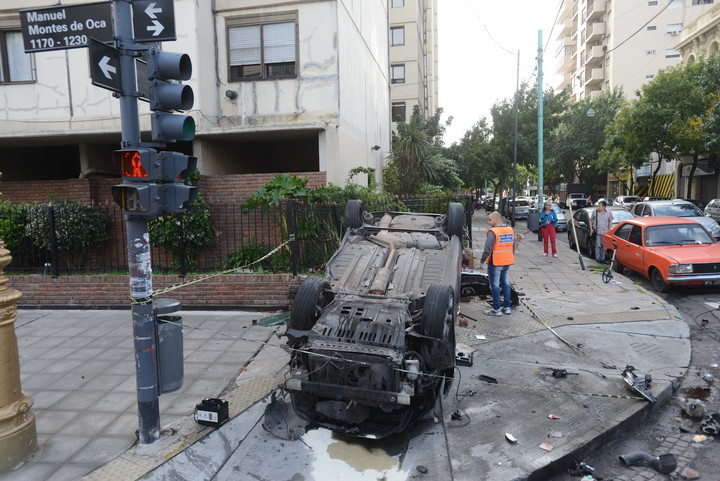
235 291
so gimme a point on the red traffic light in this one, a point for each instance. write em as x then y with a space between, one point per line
130 163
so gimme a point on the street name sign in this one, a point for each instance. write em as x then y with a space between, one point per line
153 20
70 26
105 66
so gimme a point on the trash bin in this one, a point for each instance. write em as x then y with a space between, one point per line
533 220
169 338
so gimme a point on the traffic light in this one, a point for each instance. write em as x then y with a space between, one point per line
138 194
166 95
176 167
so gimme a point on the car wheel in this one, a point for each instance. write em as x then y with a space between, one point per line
455 219
354 213
619 268
590 247
311 298
438 319
657 280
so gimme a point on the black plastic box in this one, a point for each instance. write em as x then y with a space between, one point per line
212 412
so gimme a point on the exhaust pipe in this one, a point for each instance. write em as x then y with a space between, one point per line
665 463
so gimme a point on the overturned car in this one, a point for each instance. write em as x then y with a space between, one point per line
374 339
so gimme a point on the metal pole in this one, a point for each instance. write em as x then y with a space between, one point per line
517 107
53 242
138 244
541 180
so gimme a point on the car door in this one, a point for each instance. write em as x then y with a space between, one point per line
638 210
634 253
622 234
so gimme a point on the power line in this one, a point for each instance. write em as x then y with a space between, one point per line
639 29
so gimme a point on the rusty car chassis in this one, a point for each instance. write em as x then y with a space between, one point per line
374 339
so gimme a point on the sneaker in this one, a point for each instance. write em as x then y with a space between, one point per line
545 254
493 312
554 255
507 310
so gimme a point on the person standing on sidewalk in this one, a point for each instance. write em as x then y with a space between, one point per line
499 254
548 223
600 222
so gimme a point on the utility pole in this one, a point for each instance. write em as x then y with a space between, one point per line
541 180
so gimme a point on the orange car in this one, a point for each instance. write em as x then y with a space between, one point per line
669 251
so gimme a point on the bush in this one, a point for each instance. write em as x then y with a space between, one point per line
12 226
78 227
251 252
197 228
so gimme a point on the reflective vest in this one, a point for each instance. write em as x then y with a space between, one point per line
502 253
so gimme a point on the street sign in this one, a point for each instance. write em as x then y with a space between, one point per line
66 27
105 66
153 20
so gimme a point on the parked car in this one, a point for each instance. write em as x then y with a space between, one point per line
700 204
608 200
655 197
582 227
374 339
521 209
670 251
627 201
562 223
677 208
576 201
713 209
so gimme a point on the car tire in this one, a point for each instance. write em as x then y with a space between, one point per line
354 210
657 280
455 219
438 319
619 268
571 240
590 247
311 298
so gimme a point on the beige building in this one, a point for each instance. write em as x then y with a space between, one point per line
279 86
622 43
413 57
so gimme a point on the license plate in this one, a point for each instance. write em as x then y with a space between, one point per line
712 283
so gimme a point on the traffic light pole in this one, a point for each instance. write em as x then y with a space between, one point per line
138 244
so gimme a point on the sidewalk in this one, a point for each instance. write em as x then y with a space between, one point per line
78 367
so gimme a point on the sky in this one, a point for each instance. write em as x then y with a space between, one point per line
478 43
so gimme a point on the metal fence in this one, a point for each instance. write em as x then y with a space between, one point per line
241 237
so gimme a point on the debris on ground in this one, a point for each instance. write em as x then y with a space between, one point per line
665 463
546 446
510 438
274 320
689 473
699 438
694 408
711 424
578 468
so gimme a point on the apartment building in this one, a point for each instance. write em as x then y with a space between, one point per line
280 86
623 43
413 57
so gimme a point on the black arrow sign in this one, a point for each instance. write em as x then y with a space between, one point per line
105 66
153 20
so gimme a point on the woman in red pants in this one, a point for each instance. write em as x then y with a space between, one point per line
548 221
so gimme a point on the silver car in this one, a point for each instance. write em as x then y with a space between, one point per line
677 208
562 223
713 209
627 201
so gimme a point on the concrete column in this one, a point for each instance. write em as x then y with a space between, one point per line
18 439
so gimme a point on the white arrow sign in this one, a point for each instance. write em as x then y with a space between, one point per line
151 10
156 28
106 67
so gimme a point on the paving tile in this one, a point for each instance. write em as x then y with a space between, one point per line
50 422
87 423
71 472
59 449
47 398
101 450
78 401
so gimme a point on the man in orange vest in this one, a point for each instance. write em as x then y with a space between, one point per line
499 254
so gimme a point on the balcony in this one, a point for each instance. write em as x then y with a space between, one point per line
593 94
566 27
594 10
594 54
594 76
595 32
565 61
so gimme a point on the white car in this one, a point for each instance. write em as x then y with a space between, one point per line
677 208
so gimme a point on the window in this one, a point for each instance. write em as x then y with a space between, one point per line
649 52
649 76
702 2
636 235
398 111
15 64
397 74
263 50
397 3
397 36
652 4
671 53
651 28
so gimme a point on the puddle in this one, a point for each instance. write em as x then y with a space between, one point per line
696 392
351 459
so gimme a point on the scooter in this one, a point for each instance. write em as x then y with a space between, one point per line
607 274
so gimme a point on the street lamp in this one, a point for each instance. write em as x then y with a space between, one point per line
591 112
